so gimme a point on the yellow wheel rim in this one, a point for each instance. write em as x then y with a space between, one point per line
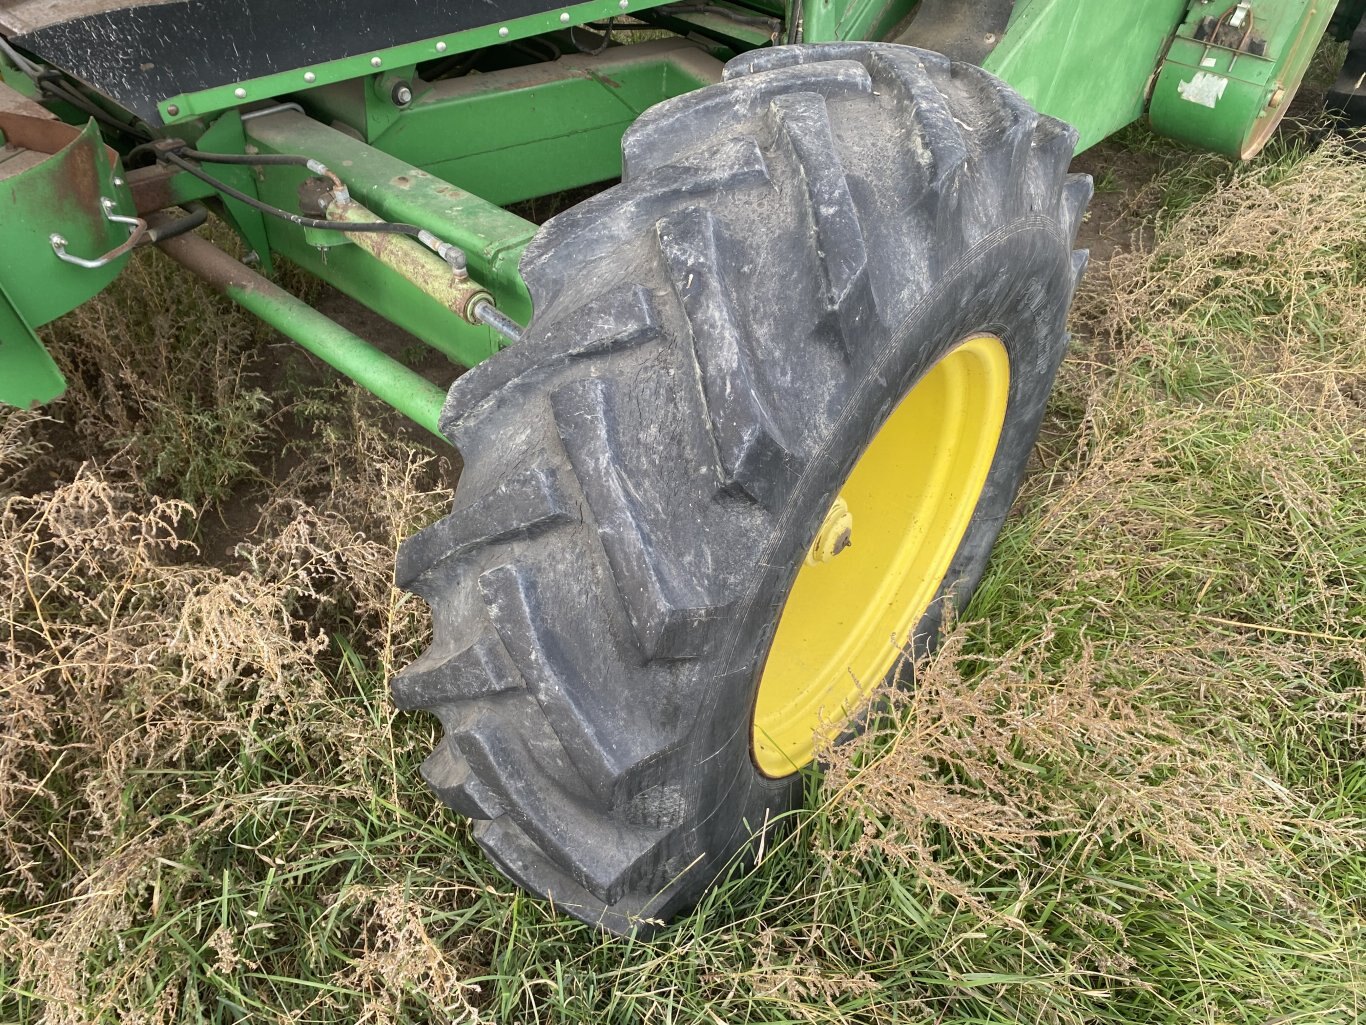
879 557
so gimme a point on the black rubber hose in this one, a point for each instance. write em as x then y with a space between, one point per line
248 159
381 227
195 215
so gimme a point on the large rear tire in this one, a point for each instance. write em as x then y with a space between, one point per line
722 345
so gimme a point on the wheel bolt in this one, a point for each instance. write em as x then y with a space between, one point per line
836 534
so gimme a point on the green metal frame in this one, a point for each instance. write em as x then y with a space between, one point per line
36 286
451 157
177 109
1230 101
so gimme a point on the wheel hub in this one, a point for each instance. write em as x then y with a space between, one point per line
851 611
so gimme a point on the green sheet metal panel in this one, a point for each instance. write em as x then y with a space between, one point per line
1230 100
523 132
826 21
59 194
1089 62
51 183
28 376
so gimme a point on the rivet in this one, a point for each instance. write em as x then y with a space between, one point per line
503 32
441 47
564 18
375 62
172 110
240 93
310 77
118 180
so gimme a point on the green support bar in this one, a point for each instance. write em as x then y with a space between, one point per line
392 382
491 237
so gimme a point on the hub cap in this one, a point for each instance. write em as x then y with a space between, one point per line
881 553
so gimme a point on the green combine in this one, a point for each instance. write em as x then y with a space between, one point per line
739 431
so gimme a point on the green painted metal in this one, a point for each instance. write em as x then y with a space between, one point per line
185 106
59 195
30 377
825 21
225 135
736 28
1227 100
389 380
11 77
395 189
1087 62
511 135
527 131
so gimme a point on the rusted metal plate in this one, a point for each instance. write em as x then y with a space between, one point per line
59 193
20 16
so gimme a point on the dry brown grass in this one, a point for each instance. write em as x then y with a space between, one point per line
1129 787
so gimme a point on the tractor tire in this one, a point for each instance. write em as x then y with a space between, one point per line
717 343
1346 98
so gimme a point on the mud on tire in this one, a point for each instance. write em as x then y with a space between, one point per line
715 341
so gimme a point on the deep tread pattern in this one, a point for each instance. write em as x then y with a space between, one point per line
731 165
937 145
1076 195
669 130
710 339
753 456
439 678
1080 259
601 853
573 707
603 335
803 120
519 508
449 775
669 610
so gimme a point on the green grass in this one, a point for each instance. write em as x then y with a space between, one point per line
1130 788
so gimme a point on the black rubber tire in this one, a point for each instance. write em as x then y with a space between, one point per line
716 340
1346 98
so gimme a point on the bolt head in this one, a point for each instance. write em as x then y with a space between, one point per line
172 111
310 77
375 62
403 95
836 534
441 47
503 32
240 93
623 4
564 18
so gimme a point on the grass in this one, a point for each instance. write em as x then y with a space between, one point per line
1131 787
